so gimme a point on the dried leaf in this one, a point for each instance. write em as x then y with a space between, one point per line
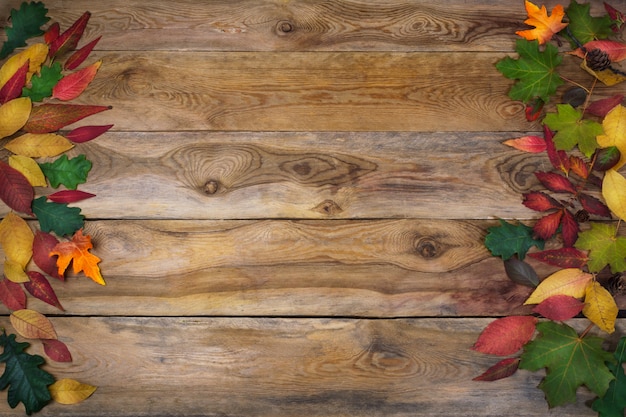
73 85
29 168
56 350
52 33
569 281
506 335
555 182
600 307
593 205
569 229
548 225
520 272
32 324
532 144
614 127
40 288
614 192
14 272
616 51
558 159
35 55
12 295
86 133
608 77
539 201
50 117
15 190
606 158
14 115
42 246
578 166
69 39
545 26
79 56
77 252
559 307
603 106
69 196
69 391
12 89
503 369
16 239
39 145
562 257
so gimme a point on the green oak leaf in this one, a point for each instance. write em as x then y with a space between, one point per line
570 360
69 172
585 27
534 70
604 246
26 23
57 217
507 240
43 83
612 404
572 130
27 382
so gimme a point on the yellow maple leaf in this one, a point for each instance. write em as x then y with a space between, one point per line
614 127
545 26
600 307
13 115
77 252
569 281
69 391
614 192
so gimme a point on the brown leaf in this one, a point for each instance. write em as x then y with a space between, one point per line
51 117
15 190
56 350
12 295
39 287
32 324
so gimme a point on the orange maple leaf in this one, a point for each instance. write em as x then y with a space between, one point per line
77 252
545 26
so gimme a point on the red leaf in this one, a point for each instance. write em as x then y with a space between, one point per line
13 87
615 50
532 144
73 85
569 229
42 246
69 196
558 159
594 206
559 307
70 38
618 17
504 368
579 166
86 133
601 107
555 182
15 190
56 350
39 287
563 257
533 109
547 226
52 33
79 56
506 335
12 295
538 201
49 117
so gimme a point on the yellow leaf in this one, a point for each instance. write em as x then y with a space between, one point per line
614 126
16 239
607 77
32 325
600 307
545 26
69 391
29 168
570 281
35 54
13 271
13 115
614 192
38 145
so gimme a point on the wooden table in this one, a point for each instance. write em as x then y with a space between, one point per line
291 206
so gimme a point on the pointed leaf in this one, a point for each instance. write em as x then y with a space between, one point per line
616 51
42 246
32 324
29 168
545 26
69 39
57 218
606 158
86 133
539 201
555 182
39 145
600 307
12 295
56 350
52 33
569 229
614 132
503 369
73 85
13 115
532 144
49 117
579 167
603 106
12 89
79 56
69 196
520 272
68 391
614 192
35 55
559 307
14 272
593 205
506 335
558 159
563 257
570 281
40 288
16 239
15 190
548 225
69 172
77 252
605 248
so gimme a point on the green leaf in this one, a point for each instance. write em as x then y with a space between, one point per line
571 361
612 404
507 240
572 130
535 71
583 26
26 381
26 23
69 172
43 83
604 246
57 218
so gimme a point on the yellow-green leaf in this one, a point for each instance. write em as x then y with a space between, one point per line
614 126
35 54
69 391
614 192
600 307
13 115
14 272
16 239
570 281
38 145
29 168
32 324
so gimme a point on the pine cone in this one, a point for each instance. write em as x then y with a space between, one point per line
598 60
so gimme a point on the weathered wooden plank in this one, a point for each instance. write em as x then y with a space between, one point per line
276 367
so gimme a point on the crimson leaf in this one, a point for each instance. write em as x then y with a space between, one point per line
555 182
563 257
15 190
506 335
504 368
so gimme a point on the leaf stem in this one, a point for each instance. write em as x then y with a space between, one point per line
584 333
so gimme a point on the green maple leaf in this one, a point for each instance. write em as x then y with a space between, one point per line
26 381
507 240
572 130
612 404
534 70
26 23
43 83
69 172
571 361
57 217
585 27
605 248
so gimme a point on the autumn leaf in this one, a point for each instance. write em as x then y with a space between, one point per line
545 26
600 307
69 391
86 133
39 287
579 167
79 56
573 130
616 51
612 403
614 192
506 335
43 83
559 307
73 85
539 201
603 106
503 369
32 324
569 281
570 361
77 252
614 132
29 168
69 172
42 245
57 218
35 55
585 27
14 272
15 190
532 144
50 117
56 350
547 226
507 240
12 295
13 115
558 158
521 272
69 39
606 158
555 182
593 205
12 89
39 145
16 239
562 257
52 33
605 248
26 23
69 196
608 76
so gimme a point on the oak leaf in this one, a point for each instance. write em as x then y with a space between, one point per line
506 335
43 83
32 324
77 252
545 26
600 307
26 23
69 172
507 240
614 192
69 391
614 132
569 281
57 218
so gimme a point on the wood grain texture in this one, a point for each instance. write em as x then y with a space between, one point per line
276 367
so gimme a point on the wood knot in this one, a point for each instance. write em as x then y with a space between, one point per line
427 248
328 207
284 27
211 187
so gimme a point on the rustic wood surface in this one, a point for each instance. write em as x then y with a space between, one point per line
290 209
